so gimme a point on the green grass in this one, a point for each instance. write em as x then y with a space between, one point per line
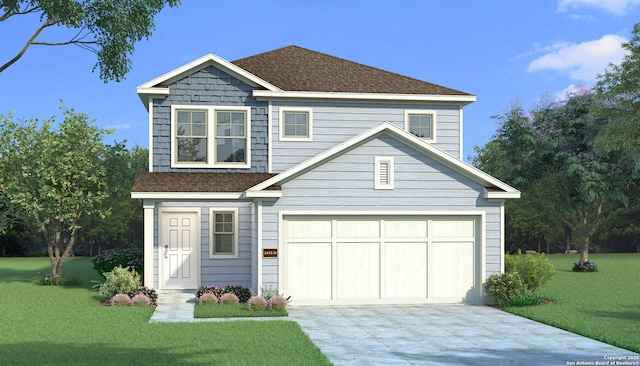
603 305
65 325
232 311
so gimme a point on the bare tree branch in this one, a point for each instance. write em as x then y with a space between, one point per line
11 12
44 25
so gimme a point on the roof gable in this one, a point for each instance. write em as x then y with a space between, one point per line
494 188
295 68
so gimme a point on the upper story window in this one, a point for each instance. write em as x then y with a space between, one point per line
296 124
210 137
421 123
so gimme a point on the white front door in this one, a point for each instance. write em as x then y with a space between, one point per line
178 250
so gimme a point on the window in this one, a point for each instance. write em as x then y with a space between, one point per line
224 233
231 137
296 124
191 132
210 137
421 124
384 174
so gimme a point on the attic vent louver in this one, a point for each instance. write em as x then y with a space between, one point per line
384 173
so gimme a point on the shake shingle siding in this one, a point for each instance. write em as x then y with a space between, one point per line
334 123
209 87
422 184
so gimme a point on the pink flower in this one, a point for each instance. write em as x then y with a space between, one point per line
207 299
120 300
278 303
256 303
229 298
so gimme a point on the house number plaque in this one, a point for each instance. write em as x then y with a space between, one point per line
269 253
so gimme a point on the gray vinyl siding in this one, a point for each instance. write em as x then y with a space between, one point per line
421 184
209 87
213 271
334 123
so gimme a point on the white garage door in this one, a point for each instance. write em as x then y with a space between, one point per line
381 260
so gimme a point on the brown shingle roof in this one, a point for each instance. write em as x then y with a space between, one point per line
198 182
295 68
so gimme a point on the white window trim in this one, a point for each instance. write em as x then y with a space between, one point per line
378 162
433 114
283 110
211 116
212 211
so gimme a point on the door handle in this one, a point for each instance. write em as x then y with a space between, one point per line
166 251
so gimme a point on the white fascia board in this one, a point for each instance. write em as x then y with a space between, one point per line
187 195
151 87
501 195
262 194
274 94
466 169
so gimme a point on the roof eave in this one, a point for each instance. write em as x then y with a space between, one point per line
271 95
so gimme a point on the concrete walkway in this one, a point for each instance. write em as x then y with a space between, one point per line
427 335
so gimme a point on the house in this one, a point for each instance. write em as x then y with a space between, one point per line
324 179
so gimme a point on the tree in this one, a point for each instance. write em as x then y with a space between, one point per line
55 176
619 88
124 226
550 153
108 28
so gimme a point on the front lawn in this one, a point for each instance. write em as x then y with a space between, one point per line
603 305
56 325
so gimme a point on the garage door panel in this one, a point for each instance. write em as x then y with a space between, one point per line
357 271
357 229
309 270
405 228
309 228
405 272
453 228
452 270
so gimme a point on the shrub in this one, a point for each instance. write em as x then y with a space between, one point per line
110 259
229 298
46 279
534 269
256 303
148 292
140 300
506 287
119 281
583 266
242 293
278 303
120 300
208 299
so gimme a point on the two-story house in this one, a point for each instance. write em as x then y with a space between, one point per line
328 180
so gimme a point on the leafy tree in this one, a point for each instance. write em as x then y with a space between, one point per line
55 176
550 153
619 88
108 28
124 226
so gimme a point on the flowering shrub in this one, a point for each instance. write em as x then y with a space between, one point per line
506 287
207 299
229 298
278 303
47 279
119 281
217 291
256 303
583 266
140 300
148 292
120 300
109 259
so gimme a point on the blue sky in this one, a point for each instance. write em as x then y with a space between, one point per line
501 51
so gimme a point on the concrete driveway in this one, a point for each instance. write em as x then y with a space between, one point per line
446 335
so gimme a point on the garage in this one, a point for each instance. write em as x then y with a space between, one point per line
391 259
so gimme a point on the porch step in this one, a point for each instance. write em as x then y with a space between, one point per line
176 297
